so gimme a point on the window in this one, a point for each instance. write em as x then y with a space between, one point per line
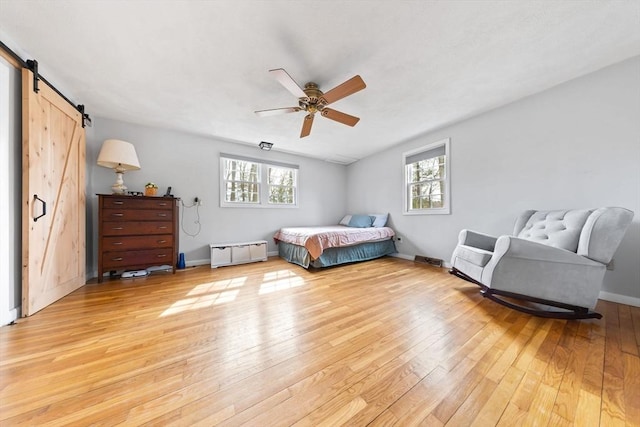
427 185
282 185
251 183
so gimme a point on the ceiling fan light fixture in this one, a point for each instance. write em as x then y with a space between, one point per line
264 145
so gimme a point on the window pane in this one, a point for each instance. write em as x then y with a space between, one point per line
241 181
282 184
242 192
238 170
427 169
278 194
427 195
279 176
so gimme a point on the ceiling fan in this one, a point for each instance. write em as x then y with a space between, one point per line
312 100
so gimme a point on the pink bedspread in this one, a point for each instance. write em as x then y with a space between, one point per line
317 239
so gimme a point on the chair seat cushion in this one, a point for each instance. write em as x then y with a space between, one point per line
475 256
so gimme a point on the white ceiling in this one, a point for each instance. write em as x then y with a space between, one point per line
202 66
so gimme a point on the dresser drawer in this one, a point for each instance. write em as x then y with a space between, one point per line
147 257
137 242
114 228
131 202
137 215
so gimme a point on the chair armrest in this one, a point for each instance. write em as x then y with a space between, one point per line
514 247
477 240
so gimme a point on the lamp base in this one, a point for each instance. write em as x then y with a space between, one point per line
119 187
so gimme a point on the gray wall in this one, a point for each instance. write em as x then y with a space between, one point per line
576 145
190 165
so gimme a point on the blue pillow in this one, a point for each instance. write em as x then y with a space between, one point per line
360 221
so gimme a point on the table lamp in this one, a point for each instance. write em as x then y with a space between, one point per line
119 156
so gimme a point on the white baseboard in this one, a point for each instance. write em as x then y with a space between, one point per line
620 299
10 316
198 262
402 256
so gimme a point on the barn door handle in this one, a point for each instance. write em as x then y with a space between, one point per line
44 207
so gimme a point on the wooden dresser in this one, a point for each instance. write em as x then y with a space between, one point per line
136 232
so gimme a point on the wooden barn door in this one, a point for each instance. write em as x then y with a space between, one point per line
53 196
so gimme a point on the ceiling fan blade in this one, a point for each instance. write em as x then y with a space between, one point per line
351 86
276 111
285 80
306 125
340 117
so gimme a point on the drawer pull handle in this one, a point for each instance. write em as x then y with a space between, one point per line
117 243
162 204
117 228
117 259
162 214
162 227
118 202
162 241
117 214
161 255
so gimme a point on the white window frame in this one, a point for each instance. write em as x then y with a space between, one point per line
446 208
263 184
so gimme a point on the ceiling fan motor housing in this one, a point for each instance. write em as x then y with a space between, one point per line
313 102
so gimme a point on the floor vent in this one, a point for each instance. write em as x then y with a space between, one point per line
426 260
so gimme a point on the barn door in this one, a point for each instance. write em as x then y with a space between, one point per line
53 196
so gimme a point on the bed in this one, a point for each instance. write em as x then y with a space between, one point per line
352 240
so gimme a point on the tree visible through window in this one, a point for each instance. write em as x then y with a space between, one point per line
281 185
427 179
249 182
242 181
427 183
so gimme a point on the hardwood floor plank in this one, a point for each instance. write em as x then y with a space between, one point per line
631 388
613 403
380 343
628 342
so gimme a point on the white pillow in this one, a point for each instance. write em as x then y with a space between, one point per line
380 220
345 220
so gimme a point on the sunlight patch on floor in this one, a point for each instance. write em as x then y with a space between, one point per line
219 285
280 280
207 295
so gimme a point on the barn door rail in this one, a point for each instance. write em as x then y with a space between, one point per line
32 65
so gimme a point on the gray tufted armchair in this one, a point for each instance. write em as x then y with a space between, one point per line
554 258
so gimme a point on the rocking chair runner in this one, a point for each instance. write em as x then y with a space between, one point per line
554 258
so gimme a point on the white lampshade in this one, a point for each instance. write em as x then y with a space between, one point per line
120 156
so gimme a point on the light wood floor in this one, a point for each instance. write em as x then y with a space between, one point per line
385 342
